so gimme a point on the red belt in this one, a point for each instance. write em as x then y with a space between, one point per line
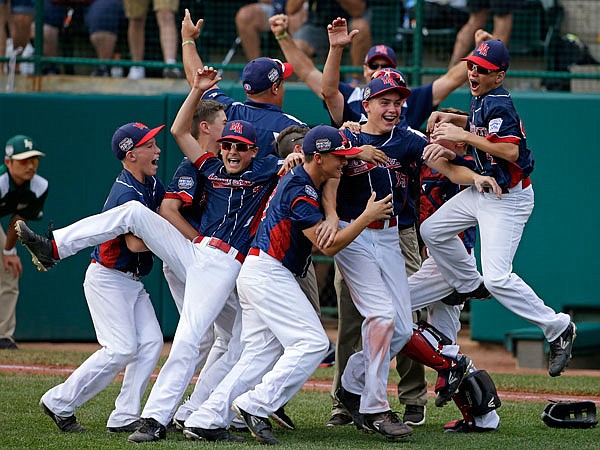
224 247
525 183
379 224
128 272
254 251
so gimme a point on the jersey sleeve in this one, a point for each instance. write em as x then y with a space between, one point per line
418 106
219 96
503 124
305 212
184 183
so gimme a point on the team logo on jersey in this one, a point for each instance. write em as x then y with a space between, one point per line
483 49
310 191
185 183
273 75
126 144
494 125
323 145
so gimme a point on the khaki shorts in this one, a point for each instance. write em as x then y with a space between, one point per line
134 9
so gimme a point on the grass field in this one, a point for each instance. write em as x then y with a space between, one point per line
24 426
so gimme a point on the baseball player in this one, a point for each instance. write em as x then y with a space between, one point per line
263 81
373 266
123 316
275 310
22 196
498 144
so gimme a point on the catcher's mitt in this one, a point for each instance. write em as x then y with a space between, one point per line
570 415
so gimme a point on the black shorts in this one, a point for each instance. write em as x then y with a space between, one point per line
496 7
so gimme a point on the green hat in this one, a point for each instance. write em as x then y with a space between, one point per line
21 147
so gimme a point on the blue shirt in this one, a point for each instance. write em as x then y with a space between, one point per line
268 120
404 149
294 206
187 187
114 254
494 117
233 201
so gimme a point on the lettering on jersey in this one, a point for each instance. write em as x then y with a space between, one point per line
494 125
228 183
126 144
357 167
323 145
185 183
479 131
483 49
401 180
237 127
310 191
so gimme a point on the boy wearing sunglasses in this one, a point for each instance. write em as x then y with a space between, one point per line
497 141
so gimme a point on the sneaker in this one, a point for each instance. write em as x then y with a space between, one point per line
351 402
388 424
458 298
129 428
451 379
339 420
101 71
149 431
414 415
282 419
8 344
259 427
172 72
65 424
461 426
214 435
136 73
560 350
42 254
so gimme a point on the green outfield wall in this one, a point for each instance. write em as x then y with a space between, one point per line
557 256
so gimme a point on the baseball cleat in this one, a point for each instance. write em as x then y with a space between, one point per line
462 426
560 350
213 435
282 419
149 431
40 247
259 427
129 428
67 424
451 379
176 425
414 415
388 424
351 402
458 298
339 420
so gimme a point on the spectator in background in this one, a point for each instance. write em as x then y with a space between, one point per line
479 10
253 19
20 13
136 12
438 14
312 38
22 197
102 18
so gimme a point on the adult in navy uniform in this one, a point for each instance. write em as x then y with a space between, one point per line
263 82
498 145
123 316
22 196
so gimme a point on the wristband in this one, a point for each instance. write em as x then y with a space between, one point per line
283 36
189 41
11 252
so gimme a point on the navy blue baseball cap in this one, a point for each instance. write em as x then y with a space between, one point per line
326 139
381 51
132 135
386 83
491 55
261 73
239 131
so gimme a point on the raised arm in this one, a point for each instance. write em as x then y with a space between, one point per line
303 65
338 39
191 59
204 79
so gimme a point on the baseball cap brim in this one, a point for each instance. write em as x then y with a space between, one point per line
27 154
237 138
481 62
347 151
150 134
288 70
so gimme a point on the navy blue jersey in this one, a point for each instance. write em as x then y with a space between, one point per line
494 117
294 206
417 108
268 120
233 201
114 253
187 187
404 149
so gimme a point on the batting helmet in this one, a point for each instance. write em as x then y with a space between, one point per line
570 415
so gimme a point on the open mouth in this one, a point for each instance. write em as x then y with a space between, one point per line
234 163
155 161
474 84
389 119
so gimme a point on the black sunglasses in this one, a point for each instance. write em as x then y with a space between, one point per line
239 146
377 66
480 70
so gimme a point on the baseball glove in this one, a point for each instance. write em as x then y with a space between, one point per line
570 415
